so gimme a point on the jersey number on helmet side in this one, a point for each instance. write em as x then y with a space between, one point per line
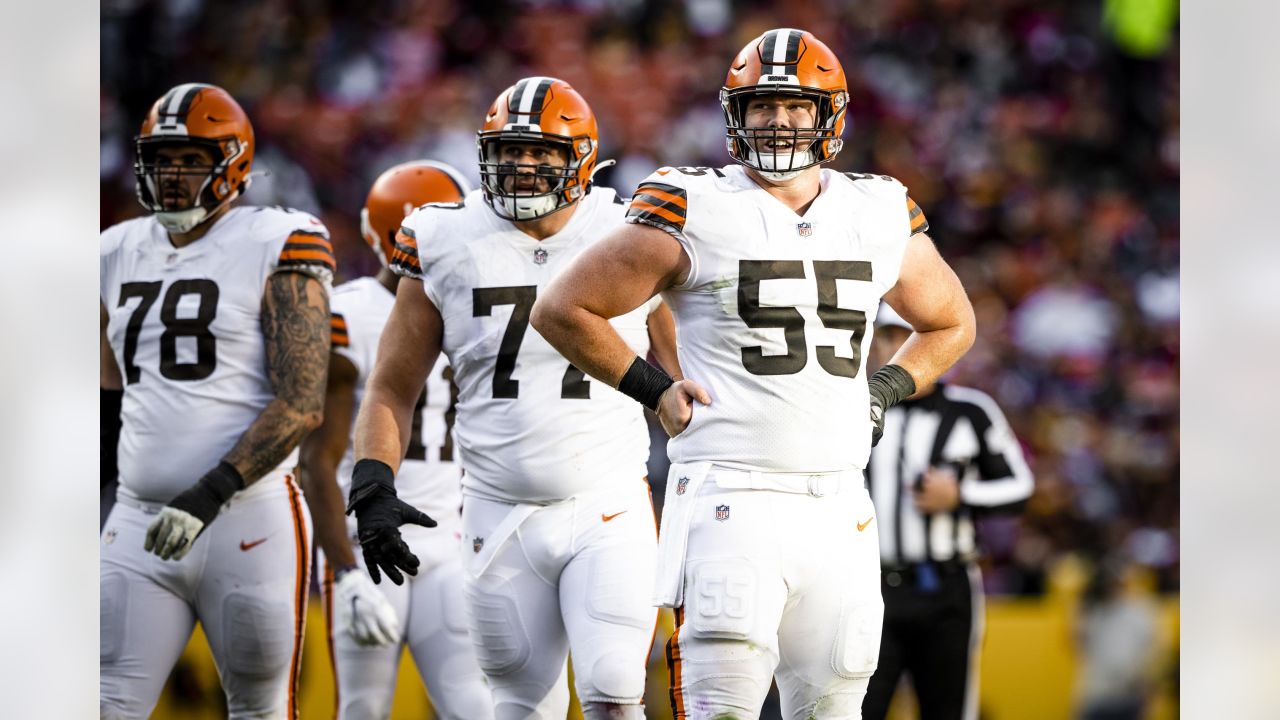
574 385
174 327
753 272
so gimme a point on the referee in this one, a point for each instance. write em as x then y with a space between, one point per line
946 455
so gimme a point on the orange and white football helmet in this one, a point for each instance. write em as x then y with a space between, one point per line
543 110
200 115
785 61
399 190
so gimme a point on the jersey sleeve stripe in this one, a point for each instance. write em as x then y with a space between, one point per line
304 247
662 197
667 211
918 222
307 257
642 211
404 256
338 331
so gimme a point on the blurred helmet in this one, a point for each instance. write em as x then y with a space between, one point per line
541 110
791 62
195 114
399 190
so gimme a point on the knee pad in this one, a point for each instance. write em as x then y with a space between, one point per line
365 706
257 636
721 599
615 677
611 711
113 606
497 630
857 647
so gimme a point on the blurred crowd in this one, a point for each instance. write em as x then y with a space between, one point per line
1040 138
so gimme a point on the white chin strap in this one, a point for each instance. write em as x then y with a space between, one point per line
527 208
182 221
767 162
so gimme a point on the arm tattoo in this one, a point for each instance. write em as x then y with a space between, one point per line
295 326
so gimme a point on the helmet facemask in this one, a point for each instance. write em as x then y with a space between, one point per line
779 154
214 192
499 179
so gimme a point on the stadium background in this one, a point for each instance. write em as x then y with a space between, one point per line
1041 139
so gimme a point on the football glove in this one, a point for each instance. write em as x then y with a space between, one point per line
379 515
178 524
360 609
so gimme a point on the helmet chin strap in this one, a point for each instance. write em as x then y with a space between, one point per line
182 221
527 208
766 163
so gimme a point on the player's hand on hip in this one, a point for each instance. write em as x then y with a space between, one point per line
170 535
379 515
877 420
363 611
675 407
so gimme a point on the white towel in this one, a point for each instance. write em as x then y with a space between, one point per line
683 483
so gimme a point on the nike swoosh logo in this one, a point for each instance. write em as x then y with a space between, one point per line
244 546
863 525
607 518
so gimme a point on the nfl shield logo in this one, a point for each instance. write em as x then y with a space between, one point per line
805 229
477 543
722 512
110 537
539 257
681 485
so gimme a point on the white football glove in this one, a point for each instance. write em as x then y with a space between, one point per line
360 609
170 535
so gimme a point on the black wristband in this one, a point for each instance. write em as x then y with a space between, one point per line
891 385
109 402
370 477
645 383
205 498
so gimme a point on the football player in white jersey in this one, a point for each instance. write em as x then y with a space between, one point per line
215 322
368 624
558 529
773 268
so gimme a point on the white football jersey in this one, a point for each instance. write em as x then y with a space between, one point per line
428 477
776 316
530 426
186 330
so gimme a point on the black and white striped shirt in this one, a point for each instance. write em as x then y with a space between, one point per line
952 426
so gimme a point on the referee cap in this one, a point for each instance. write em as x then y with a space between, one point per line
887 317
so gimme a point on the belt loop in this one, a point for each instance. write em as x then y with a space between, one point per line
815 486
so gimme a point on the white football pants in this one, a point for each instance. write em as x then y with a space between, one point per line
245 579
572 576
777 582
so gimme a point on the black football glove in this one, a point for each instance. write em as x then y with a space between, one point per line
889 386
379 515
